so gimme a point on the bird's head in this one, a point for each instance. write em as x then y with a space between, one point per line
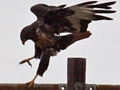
24 35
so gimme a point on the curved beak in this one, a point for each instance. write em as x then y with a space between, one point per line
23 42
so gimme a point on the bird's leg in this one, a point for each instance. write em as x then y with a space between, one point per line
31 83
27 60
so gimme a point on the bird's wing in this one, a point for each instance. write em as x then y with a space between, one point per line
43 65
76 18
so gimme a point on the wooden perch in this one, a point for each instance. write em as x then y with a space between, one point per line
25 87
107 87
56 87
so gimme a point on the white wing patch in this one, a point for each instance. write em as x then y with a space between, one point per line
80 13
75 22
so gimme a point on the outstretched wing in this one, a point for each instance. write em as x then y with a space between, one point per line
76 18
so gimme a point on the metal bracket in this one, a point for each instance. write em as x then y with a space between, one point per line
62 86
90 87
78 86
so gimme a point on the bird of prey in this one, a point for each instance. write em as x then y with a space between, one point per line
51 21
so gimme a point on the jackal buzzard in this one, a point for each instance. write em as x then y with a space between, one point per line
53 20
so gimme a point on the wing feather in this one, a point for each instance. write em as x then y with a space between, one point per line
102 5
69 19
86 3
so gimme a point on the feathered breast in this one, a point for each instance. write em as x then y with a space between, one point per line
44 40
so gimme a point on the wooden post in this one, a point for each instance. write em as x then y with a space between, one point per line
76 73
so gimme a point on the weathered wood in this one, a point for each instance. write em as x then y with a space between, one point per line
76 73
56 87
25 87
107 87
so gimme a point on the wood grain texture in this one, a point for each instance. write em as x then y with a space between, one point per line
76 73
25 87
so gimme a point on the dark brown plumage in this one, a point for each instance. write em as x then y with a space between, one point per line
53 20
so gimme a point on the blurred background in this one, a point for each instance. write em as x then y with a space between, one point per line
102 49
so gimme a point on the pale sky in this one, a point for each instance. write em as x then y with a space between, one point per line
102 49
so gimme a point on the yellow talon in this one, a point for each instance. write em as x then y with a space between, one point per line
27 60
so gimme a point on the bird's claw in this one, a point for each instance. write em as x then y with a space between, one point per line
31 84
24 61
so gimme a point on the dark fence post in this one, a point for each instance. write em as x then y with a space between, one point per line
76 73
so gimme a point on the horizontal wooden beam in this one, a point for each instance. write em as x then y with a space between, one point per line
107 87
56 87
25 87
